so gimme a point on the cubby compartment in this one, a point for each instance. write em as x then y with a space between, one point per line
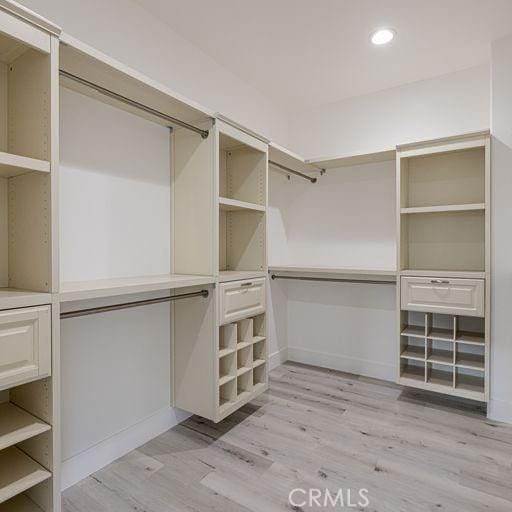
259 353
227 394
227 339
244 360
472 381
227 368
412 370
471 330
259 327
444 241
441 327
440 375
259 376
242 171
25 240
25 99
412 324
245 332
436 179
242 241
440 352
244 385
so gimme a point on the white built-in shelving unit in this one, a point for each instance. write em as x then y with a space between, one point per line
29 370
444 265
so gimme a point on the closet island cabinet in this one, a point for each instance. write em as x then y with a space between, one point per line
29 419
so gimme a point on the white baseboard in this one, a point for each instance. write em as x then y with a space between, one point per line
364 367
277 358
100 455
499 410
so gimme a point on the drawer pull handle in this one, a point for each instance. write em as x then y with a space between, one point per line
439 281
246 284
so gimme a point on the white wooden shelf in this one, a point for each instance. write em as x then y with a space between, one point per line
445 208
441 334
470 361
225 352
441 378
471 338
414 353
258 362
82 290
257 339
243 370
444 357
414 331
20 503
17 425
225 379
240 275
233 205
373 156
11 298
18 472
14 165
469 274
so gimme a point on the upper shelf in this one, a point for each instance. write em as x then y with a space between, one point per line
347 160
287 158
444 208
90 64
14 165
82 290
240 275
231 205
355 273
11 298
468 274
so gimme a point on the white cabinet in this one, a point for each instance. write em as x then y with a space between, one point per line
25 345
449 296
241 299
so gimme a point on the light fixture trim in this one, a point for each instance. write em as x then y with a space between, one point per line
382 36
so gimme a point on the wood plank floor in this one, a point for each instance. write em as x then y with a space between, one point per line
316 429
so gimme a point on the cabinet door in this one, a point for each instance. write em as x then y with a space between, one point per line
449 296
25 345
241 299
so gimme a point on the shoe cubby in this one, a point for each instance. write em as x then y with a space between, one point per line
245 332
227 367
412 370
227 394
227 339
440 375
244 360
259 376
259 352
244 385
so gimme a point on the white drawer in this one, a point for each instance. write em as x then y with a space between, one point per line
464 297
25 345
241 299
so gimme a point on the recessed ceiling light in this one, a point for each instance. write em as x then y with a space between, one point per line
382 36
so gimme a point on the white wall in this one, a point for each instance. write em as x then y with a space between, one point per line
126 31
447 105
346 219
501 218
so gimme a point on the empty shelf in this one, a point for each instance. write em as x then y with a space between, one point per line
20 503
243 370
471 361
81 290
257 339
414 331
444 208
14 165
470 383
416 353
225 379
240 275
242 344
232 205
441 334
11 298
441 378
18 472
416 373
258 362
225 352
441 357
471 338
17 425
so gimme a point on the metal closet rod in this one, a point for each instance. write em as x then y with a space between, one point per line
333 280
291 171
123 99
127 305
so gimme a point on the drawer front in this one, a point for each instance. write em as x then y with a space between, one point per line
450 296
25 345
241 299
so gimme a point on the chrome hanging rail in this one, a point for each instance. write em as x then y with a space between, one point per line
127 305
123 99
333 280
291 171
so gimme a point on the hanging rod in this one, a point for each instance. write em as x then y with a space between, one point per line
333 280
291 171
127 305
123 99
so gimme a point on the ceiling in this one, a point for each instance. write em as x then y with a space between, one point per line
307 53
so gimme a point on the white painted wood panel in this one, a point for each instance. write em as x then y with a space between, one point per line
115 192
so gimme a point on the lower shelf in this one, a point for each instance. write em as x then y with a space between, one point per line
18 472
20 503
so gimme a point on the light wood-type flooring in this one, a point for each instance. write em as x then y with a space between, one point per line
316 429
